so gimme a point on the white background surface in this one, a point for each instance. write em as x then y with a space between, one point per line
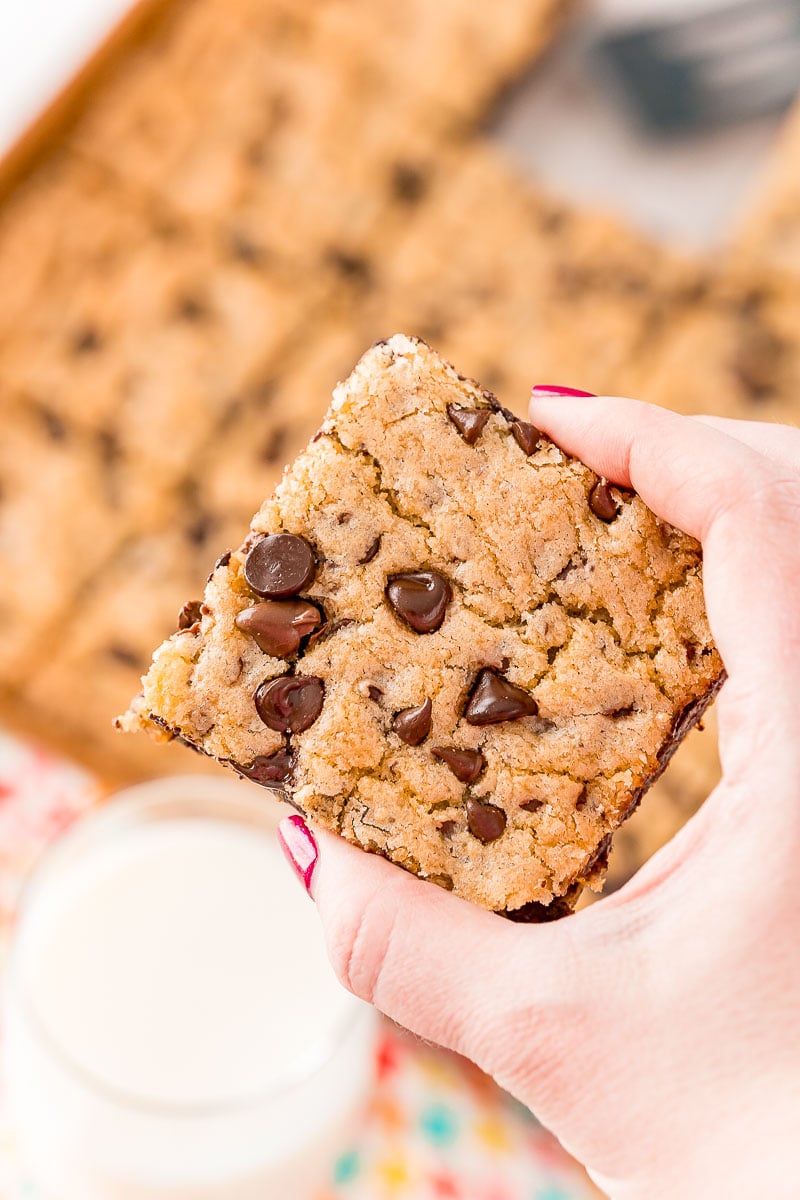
563 126
42 43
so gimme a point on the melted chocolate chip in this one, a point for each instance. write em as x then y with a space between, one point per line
494 699
190 614
486 822
371 552
602 503
280 565
466 765
278 626
222 561
469 422
420 598
526 436
270 771
412 725
374 692
290 704
448 828
328 630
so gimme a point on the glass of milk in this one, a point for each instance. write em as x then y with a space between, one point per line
173 1030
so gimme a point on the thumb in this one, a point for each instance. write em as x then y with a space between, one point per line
452 973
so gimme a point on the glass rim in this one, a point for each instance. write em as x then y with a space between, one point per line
132 807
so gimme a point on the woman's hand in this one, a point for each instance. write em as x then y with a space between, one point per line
657 1033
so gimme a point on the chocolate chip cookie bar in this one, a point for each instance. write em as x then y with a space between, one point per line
735 355
447 641
769 235
547 291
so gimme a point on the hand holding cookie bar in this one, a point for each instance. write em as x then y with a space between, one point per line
656 1032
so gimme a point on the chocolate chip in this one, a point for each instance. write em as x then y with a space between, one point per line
757 359
327 630
525 435
469 422
408 183
223 560
200 529
54 427
280 565
412 725
290 704
532 806
278 626
189 615
125 656
86 340
494 699
272 450
466 765
270 771
370 553
191 309
420 598
243 249
486 821
448 828
602 503
109 447
351 266
261 394
374 692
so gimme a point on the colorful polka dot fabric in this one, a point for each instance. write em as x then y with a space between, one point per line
438 1129
435 1128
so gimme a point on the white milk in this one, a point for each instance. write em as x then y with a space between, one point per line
173 1028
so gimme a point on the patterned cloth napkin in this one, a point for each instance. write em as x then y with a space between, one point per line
435 1128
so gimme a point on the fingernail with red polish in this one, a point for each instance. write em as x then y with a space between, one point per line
298 844
551 389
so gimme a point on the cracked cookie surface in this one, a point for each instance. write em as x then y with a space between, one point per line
447 641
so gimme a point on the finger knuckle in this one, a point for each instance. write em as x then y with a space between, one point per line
359 945
774 499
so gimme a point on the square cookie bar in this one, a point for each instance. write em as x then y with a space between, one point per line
446 641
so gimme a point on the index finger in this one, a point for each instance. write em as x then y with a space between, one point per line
744 509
